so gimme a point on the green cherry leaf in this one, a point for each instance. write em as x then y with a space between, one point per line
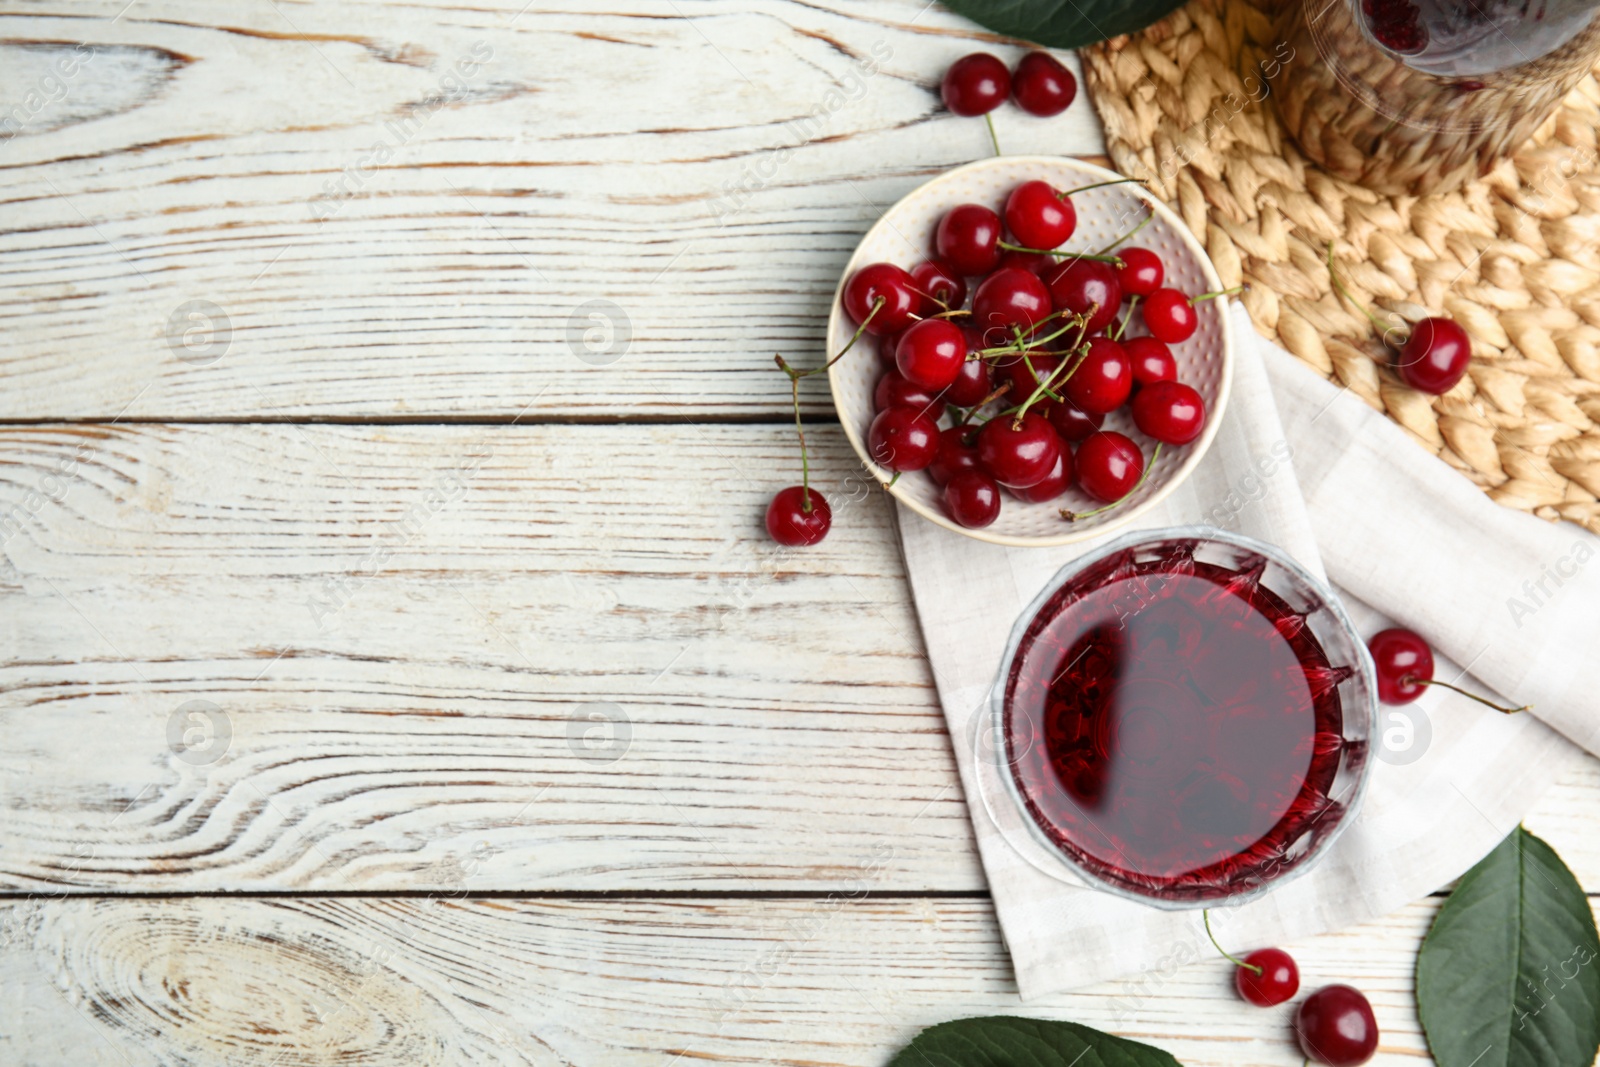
1063 23
1509 974
1009 1041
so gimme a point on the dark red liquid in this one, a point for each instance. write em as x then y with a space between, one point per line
1175 727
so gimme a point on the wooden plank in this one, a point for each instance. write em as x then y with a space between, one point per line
398 635
476 210
828 981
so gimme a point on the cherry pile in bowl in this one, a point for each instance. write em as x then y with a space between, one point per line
1020 351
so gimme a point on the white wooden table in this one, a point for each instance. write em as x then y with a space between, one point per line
387 394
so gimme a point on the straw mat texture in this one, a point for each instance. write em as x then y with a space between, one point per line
1513 257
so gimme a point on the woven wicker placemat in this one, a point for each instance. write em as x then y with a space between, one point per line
1514 258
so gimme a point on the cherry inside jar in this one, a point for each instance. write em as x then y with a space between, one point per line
1174 727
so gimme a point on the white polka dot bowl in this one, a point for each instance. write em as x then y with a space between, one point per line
904 237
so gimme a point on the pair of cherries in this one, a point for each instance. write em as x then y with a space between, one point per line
1335 1025
978 83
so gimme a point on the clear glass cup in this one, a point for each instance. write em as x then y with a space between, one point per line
1181 743
1420 97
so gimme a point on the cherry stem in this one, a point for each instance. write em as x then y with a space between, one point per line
1142 224
1073 516
1009 247
1122 327
1193 300
1206 915
794 396
805 457
1100 185
1412 679
1055 378
1338 285
993 139
1021 345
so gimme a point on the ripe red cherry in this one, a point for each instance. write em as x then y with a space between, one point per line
902 439
1141 272
1010 297
1077 285
790 522
1336 1027
968 237
930 354
1102 381
1072 423
1403 661
1109 466
972 499
1170 412
975 84
1169 316
939 284
894 390
1278 981
1435 356
1042 86
1038 216
1152 360
972 384
895 287
957 452
1055 483
1018 452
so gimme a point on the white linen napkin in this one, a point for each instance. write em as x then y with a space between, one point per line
1403 537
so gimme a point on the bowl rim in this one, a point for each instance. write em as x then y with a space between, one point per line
1368 711
1197 450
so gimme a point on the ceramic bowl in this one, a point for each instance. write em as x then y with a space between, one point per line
904 237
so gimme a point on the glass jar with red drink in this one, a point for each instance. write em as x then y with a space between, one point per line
1420 96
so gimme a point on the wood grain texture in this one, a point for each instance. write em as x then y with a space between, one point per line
829 981
454 210
397 636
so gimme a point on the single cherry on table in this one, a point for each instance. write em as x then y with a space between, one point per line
1336 1027
1404 665
1042 86
1265 978
1277 982
798 516
975 84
